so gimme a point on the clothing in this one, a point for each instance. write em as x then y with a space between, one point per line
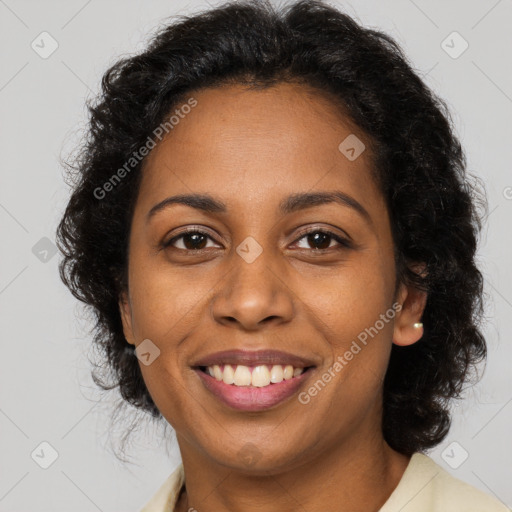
424 487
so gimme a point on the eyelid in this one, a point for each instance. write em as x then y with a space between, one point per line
328 230
343 241
189 229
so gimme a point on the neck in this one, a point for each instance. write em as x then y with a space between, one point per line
356 476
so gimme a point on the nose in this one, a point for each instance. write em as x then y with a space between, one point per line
253 295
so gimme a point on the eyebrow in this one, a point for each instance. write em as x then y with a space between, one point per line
292 203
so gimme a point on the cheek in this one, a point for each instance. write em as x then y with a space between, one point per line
359 342
164 384
165 301
347 307
351 299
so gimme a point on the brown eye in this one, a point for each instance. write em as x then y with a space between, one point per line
319 240
192 240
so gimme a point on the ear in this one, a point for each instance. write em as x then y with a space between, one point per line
126 317
413 301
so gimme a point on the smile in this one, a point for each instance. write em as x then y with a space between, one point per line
253 388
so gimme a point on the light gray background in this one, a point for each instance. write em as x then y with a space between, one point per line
46 393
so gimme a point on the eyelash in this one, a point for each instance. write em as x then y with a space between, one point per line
343 242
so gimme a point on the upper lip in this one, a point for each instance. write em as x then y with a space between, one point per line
254 358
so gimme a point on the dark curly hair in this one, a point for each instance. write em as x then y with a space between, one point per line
419 165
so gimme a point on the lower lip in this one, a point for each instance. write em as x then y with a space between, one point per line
250 398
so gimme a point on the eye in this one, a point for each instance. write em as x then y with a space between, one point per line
321 239
193 239
190 240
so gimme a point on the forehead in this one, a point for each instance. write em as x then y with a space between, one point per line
256 142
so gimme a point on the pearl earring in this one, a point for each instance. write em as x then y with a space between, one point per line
418 325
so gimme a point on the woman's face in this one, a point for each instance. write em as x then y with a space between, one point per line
253 280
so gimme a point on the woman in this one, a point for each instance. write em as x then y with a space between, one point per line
273 226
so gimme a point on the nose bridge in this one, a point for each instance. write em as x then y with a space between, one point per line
253 291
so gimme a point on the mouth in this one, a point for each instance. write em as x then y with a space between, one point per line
253 388
256 376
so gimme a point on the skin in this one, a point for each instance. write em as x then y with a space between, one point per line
250 150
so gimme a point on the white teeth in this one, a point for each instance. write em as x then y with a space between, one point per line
242 376
276 374
260 377
297 371
228 375
288 372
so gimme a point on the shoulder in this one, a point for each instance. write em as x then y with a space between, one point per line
427 487
164 500
424 487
